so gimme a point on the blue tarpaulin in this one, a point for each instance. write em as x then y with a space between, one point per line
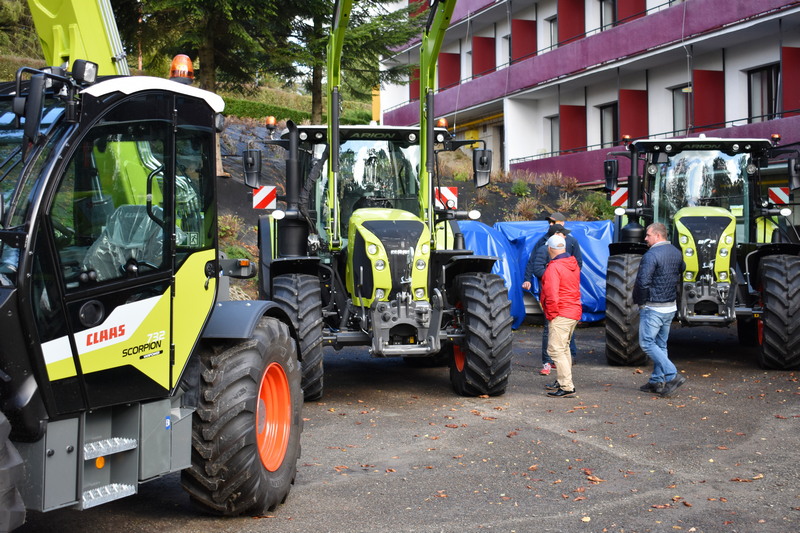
513 242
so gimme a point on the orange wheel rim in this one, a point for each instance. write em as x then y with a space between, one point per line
273 417
458 357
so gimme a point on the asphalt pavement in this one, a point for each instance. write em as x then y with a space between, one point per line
391 448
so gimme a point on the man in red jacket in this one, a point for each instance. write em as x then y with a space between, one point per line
561 303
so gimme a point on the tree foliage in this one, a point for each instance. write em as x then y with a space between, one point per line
236 43
376 29
232 41
17 36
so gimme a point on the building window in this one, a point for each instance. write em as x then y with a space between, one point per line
552 25
680 110
609 125
608 14
555 134
763 90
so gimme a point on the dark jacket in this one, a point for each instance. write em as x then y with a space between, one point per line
539 257
561 288
659 275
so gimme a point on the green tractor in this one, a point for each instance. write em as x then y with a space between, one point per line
728 212
362 257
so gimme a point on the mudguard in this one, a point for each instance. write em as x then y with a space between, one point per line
237 319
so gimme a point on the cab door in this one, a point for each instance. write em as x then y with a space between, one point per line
112 219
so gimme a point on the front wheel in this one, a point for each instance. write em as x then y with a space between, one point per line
246 429
622 315
481 364
300 296
779 330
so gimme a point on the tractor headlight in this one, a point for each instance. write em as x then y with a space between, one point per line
426 249
421 264
380 264
379 294
723 252
728 239
688 276
419 293
684 239
689 252
372 249
723 276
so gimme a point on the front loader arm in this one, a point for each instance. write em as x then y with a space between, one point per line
438 22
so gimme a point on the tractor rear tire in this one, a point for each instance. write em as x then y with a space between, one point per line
300 296
622 315
780 329
481 364
12 510
246 429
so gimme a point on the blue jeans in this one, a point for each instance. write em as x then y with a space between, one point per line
653 335
545 334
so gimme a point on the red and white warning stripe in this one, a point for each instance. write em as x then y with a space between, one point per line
265 197
619 197
779 195
442 195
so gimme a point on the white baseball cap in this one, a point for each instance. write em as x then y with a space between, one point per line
557 242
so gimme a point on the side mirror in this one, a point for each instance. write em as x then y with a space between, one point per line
794 174
33 108
611 170
251 160
481 167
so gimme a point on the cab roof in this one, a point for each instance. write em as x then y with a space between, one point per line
133 84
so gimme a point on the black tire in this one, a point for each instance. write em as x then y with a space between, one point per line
780 295
300 296
622 315
481 364
245 387
12 509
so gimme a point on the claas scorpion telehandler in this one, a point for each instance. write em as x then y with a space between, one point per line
121 362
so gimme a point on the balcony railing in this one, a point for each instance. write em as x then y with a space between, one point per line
694 130
540 51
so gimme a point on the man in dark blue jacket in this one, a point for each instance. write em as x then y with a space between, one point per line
656 290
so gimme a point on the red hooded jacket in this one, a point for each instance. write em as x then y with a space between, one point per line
561 288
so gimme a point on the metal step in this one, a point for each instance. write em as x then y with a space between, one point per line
102 448
108 493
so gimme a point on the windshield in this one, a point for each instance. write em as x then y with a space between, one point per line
700 178
12 188
16 183
378 173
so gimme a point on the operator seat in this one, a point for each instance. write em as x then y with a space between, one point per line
130 235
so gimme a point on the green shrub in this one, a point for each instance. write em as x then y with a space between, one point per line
234 251
595 206
245 108
520 188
